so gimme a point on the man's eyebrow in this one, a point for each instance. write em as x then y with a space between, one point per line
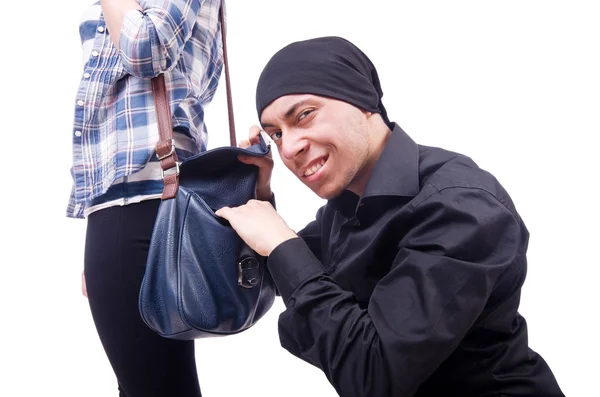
287 114
293 108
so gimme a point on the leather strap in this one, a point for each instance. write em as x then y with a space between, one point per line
165 148
232 139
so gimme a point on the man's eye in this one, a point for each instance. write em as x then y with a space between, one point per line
304 114
275 136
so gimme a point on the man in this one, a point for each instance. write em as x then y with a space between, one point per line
408 281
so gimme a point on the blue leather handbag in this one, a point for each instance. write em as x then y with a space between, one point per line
201 279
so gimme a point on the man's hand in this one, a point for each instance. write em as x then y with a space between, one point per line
259 225
264 164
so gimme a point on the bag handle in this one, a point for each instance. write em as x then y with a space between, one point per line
165 148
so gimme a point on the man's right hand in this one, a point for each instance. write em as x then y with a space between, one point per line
264 164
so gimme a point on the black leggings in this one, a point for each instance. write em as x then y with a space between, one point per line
116 248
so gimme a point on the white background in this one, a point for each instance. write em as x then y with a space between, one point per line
513 84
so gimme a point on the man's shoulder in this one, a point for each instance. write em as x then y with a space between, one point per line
441 169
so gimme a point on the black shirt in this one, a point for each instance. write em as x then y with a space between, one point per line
413 288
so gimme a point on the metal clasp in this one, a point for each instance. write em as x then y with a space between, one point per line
168 154
176 170
248 272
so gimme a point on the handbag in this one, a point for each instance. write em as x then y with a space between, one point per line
201 279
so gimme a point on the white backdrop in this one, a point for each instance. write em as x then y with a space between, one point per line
513 84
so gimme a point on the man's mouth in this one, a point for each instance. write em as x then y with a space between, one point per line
315 167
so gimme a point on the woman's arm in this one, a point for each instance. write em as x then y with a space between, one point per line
114 12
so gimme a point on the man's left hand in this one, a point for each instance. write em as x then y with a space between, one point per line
259 225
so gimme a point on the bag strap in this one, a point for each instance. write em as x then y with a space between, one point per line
165 148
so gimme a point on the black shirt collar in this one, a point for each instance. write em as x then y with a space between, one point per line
396 173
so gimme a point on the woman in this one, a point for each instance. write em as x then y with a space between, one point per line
117 177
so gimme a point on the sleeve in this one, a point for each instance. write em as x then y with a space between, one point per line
152 41
460 242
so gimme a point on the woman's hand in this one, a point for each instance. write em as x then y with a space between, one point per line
83 286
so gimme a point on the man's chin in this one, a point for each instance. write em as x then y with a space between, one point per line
327 193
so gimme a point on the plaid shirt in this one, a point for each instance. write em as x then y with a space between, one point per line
115 130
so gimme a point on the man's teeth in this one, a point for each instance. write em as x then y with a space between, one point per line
314 168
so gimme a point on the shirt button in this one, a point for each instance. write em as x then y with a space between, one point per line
101 29
77 133
80 102
95 53
86 75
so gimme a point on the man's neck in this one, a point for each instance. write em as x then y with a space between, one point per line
379 134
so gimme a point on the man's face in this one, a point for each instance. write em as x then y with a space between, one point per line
324 142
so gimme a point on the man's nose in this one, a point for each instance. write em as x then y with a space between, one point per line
292 146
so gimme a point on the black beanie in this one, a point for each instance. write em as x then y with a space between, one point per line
327 66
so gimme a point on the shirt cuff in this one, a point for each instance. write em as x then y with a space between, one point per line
139 46
291 263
